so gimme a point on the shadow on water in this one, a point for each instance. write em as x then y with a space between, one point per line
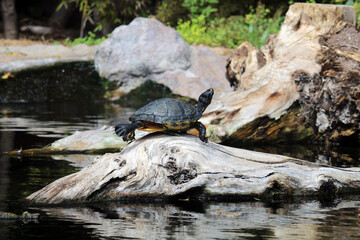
32 125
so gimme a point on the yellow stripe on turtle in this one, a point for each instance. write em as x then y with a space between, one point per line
160 127
178 126
152 127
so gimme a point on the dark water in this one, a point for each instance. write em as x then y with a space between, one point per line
35 125
63 82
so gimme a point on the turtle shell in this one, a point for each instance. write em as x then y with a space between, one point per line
166 110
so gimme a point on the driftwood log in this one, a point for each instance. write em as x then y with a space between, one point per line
97 141
303 84
163 166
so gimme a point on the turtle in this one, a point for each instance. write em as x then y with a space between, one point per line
167 115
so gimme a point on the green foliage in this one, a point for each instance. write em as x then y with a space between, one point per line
259 26
107 13
88 40
255 27
86 7
324 1
200 7
170 11
194 31
200 21
357 8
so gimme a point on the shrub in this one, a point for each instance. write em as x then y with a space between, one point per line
88 40
169 11
201 8
255 27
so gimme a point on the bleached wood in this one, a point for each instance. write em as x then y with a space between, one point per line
266 78
159 165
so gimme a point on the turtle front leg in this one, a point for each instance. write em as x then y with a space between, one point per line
202 131
129 137
127 131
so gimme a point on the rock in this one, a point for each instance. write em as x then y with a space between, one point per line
313 63
146 49
207 70
143 47
162 166
19 58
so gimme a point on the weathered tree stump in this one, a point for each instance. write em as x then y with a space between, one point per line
162 166
302 84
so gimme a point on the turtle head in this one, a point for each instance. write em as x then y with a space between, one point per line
205 99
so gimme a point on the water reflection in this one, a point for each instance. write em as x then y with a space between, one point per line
76 160
56 120
254 220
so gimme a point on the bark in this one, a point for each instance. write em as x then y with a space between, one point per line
331 99
9 18
163 166
313 63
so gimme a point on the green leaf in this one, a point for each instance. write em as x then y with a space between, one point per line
63 3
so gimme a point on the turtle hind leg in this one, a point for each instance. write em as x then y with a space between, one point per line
126 131
202 131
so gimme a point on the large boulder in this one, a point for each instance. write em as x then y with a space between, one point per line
143 47
146 49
